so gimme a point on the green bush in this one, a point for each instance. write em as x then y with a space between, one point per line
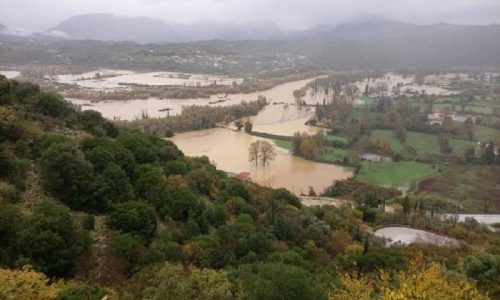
133 217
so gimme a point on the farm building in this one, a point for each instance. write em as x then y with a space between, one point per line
372 157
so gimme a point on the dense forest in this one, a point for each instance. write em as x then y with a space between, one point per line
89 209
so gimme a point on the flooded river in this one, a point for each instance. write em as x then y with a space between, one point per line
121 79
10 74
132 109
229 151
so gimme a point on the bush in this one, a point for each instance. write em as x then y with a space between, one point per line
133 217
279 281
87 292
67 175
176 167
89 222
52 104
50 241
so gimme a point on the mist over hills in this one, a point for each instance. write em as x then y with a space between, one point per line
107 40
107 27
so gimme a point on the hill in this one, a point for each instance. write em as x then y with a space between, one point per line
107 27
94 211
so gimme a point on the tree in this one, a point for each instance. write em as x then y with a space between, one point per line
470 154
248 126
27 284
110 187
254 152
169 281
238 124
400 132
128 247
488 156
383 146
444 143
85 292
11 221
91 120
485 269
278 281
469 128
267 152
140 145
420 281
176 167
308 148
393 118
5 90
67 175
52 104
133 217
185 204
151 185
50 241
406 205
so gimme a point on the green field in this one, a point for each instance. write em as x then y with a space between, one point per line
427 143
395 174
329 137
327 154
283 144
364 102
485 134
467 188
389 136
423 143
333 155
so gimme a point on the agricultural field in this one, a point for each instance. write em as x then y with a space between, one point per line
423 143
395 174
466 188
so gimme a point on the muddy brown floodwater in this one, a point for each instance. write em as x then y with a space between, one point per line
228 150
132 109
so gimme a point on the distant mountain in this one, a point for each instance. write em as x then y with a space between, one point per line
107 27
2 27
380 29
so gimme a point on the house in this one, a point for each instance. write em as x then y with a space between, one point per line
243 176
370 157
437 118
464 118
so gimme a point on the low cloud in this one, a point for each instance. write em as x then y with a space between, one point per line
43 14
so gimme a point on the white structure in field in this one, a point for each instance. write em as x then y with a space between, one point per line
438 118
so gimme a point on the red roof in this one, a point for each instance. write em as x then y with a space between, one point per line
244 176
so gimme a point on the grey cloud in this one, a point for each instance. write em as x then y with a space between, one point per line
43 14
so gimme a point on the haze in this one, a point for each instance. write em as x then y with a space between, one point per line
290 14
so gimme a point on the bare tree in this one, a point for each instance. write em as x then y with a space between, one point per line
253 152
267 152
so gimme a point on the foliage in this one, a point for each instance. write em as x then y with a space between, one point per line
133 217
421 281
172 281
67 175
85 292
52 104
49 240
27 284
278 281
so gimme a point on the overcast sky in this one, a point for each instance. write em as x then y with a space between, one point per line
42 14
